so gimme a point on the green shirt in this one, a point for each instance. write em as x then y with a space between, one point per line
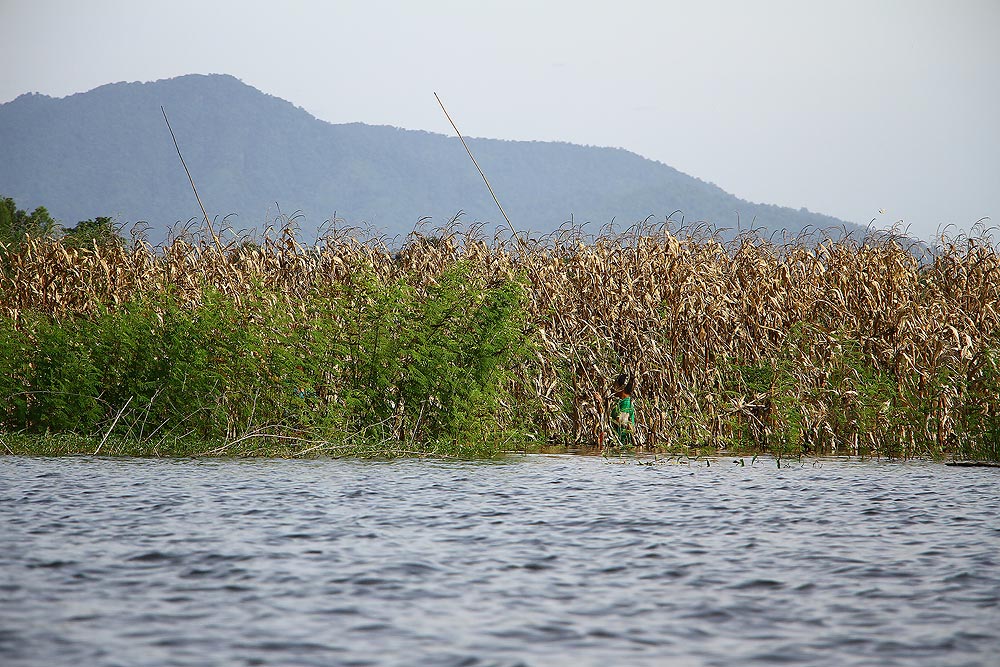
623 432
625 405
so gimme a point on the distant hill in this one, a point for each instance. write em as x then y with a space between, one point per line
107 152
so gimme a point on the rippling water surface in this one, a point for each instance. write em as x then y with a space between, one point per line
535 561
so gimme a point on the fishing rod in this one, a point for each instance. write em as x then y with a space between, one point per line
188 172
478 168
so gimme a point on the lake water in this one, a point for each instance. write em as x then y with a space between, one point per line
540 560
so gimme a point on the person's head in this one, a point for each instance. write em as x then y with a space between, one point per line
623 385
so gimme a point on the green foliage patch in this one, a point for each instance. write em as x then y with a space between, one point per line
370 366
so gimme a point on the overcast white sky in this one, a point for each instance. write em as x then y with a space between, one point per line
844 107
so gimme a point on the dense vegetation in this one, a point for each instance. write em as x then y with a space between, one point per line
465 345
109 151
367 363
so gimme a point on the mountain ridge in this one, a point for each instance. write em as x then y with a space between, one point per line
107 152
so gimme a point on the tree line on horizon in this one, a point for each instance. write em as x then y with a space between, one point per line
17 224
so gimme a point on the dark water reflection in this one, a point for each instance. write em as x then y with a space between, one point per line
537 561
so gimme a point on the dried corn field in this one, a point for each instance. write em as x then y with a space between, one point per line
870 347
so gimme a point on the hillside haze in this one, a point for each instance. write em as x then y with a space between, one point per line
107 152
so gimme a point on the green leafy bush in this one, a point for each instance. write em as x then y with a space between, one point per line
376 362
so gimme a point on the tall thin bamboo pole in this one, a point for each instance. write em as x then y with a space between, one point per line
188 172
488 186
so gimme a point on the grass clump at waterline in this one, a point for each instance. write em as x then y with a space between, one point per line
458 345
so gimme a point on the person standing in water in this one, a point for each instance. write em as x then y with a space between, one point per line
623 414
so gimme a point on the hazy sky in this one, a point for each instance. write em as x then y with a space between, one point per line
843 107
